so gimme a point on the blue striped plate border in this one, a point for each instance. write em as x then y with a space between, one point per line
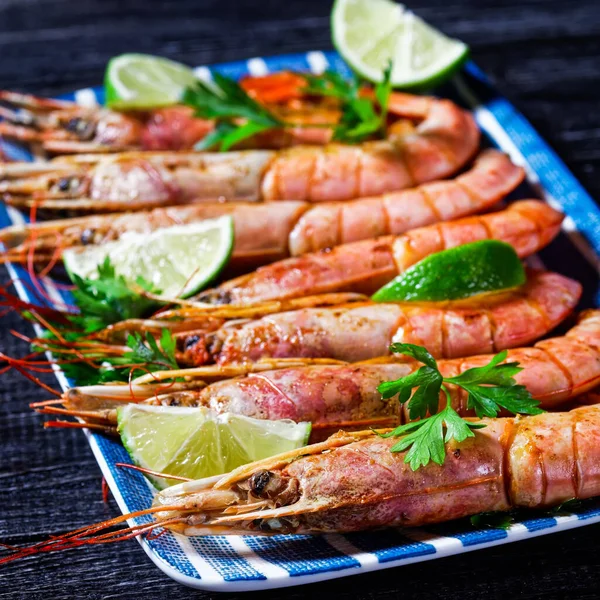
236 563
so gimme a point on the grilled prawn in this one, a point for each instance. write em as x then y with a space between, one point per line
554 371
438 147
62 127
352 482
361 331
365 266
266 232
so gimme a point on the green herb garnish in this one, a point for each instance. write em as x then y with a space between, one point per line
503 520
145 355
493 520
362 116
566 507
103 301
109 299
490 388
227 103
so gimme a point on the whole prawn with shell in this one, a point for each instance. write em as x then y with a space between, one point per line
265 232
364 266
361 330
62 127
332 396
305 114
353 482
442 143
326 325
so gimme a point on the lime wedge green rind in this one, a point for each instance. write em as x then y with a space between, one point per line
457 273
142 81
369 34
197 442
179 261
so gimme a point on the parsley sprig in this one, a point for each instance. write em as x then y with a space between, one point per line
490 388
145 355
362 116
103 301
226 102
238 116
504 519
108 299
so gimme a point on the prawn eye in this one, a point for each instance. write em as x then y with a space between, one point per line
191 341
67 184
64 183
87 236
82 128
259 482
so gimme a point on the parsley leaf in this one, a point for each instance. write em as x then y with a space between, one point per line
143 351
359 119
425 439
566 507
491 388
146 351
492 520
109 299
103 301
226 101
487 400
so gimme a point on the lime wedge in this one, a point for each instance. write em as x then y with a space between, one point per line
476 268
178 260
198 442
371 33
141 81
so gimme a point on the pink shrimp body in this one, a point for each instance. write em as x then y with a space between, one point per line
134 180
265 232
327 225
336 396
63 127
552 372
322 394
353 482
365 266
445 140
359 332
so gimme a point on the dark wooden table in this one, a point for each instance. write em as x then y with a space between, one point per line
543 54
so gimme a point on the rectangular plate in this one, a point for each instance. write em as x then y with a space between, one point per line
234 563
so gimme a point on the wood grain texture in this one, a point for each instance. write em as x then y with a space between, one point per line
542 54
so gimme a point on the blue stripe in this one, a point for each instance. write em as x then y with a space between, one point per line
390 545
292 62
138 496
100 96
218 553
588 514
336 63
471 537
233 70
553 173
14 152
301 555
539 524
